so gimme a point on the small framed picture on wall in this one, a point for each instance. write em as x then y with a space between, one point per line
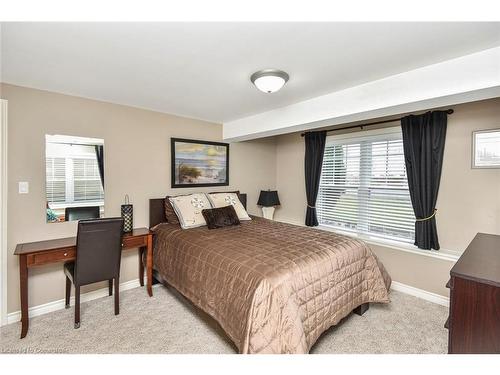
486 148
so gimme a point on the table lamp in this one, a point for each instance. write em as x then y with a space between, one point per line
268 200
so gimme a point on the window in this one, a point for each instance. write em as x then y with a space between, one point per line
363 186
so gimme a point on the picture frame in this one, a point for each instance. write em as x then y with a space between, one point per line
197 163
485 149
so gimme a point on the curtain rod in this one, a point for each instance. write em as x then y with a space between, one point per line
449 112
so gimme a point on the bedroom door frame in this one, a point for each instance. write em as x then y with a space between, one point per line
3 211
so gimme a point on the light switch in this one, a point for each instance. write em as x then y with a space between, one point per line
24 187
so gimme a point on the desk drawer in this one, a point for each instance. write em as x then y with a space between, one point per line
60 255
131 242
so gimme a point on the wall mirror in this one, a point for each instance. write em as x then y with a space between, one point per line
74 178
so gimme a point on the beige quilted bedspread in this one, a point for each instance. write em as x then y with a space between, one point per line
273 287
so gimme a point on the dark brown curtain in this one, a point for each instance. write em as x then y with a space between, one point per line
313 162
423 142
99 153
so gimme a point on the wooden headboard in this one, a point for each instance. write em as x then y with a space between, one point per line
157 209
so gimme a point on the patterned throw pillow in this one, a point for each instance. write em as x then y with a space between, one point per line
225 199
188 209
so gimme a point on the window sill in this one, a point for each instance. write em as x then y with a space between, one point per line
449 255
442 254
63 205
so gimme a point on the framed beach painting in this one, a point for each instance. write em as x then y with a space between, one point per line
199 163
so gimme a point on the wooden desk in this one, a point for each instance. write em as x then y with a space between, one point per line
40 253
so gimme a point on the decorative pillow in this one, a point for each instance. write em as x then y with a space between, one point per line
188 209
224 199
169 212
220 217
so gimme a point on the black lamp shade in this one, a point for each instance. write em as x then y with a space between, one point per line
268 198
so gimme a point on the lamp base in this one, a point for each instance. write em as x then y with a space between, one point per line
268 212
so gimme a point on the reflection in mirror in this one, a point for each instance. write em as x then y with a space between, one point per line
74 178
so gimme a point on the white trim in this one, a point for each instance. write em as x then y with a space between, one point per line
385 133
444 254
420 293
70 139
90 296
431 86
60 304
396 285
3 211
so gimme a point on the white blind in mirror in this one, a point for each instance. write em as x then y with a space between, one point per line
87 181
72 175
56 179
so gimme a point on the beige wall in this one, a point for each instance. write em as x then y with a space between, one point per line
137 153
137 162
468 202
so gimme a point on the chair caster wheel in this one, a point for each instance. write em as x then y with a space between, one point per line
77 325
66 306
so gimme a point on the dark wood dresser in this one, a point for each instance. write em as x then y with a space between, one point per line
474 321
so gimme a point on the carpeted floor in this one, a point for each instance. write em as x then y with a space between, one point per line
167 323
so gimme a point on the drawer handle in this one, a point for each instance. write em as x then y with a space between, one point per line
65 254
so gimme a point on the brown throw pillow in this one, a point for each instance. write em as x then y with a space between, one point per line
220 217
170 213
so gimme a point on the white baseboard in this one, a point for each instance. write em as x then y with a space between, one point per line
60 304
420 293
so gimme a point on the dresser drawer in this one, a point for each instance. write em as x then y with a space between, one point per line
130 242
59 255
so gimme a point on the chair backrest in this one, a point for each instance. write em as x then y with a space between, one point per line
98 250
78 213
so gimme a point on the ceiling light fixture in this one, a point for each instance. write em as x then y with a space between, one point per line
269 80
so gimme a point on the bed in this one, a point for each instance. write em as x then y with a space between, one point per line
273 287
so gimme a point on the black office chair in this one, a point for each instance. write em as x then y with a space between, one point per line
79 213
98 256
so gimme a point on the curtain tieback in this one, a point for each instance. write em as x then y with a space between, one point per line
311 206
429 217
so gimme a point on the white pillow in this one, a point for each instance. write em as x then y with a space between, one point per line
226 199
188 209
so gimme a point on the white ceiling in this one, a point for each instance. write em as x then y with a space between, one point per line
202 70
